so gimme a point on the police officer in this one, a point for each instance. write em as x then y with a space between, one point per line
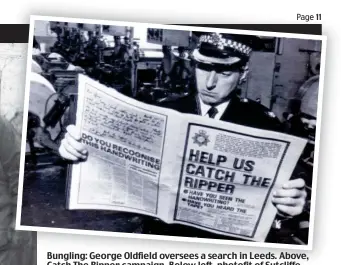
221 63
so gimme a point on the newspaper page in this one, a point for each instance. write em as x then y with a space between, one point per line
126 143
181 168
228 175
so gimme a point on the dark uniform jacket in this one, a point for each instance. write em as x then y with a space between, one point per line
240 111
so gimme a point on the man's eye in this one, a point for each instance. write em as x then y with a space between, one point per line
226 73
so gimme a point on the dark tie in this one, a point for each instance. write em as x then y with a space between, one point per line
212 112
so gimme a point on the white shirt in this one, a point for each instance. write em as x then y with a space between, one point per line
220 108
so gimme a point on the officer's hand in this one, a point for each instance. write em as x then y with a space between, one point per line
71 148
291 198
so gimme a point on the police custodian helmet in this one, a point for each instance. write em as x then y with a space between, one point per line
227 49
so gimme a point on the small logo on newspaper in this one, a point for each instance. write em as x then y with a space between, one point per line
201 138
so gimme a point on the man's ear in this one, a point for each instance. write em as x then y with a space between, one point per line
244 73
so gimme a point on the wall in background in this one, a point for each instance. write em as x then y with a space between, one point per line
275 78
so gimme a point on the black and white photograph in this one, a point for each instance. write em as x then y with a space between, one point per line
171 132
16 247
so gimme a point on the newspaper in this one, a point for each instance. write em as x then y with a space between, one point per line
180 168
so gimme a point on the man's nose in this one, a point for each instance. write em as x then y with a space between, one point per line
211 80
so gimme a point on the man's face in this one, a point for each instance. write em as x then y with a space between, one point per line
214 85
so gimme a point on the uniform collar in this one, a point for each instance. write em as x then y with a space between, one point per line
221 108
